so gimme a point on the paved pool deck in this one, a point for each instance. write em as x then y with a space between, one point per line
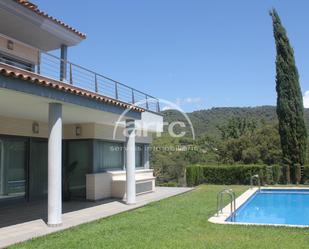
21 222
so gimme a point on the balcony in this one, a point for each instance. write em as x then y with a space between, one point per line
53 67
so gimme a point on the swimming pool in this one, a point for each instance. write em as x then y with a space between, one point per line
274 206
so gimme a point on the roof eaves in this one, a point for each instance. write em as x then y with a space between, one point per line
36 10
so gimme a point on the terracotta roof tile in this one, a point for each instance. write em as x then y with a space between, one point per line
14 72
35 9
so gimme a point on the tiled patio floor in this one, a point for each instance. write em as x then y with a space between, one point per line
24 221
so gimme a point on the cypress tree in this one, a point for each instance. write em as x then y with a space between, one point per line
290 109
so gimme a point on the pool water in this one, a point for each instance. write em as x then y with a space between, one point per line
275 206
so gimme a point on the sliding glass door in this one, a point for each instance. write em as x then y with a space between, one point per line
76 167
13 165
38 165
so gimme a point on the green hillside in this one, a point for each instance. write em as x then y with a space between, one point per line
206 121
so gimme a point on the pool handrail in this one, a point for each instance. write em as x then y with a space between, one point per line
232 196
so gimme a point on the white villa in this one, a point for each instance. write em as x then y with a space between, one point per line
62 126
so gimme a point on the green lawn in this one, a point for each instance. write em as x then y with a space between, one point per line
178 222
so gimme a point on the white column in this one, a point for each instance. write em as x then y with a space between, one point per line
130 162
55 165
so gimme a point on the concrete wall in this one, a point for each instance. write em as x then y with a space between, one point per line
23 127
20 51
87 131
113 183
100 131
98 186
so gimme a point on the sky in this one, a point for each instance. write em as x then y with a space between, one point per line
197 54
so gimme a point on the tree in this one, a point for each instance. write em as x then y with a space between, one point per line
261 146
237 127
290 109
169 160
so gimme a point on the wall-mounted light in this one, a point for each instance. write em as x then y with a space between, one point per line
10 45
78 130
35 128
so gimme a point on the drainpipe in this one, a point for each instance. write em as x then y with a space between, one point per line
130 162
63 62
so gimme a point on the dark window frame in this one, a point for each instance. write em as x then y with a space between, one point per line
16 62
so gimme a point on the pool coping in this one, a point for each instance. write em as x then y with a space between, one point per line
242 199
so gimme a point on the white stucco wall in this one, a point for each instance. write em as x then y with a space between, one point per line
23 127
113 183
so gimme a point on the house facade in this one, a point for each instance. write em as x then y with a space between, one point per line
66 132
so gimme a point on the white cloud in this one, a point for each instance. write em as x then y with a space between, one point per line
188 100
165 108
180 102
306 99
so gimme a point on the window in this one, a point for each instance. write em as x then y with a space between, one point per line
108 155
16 62
13 158
139 156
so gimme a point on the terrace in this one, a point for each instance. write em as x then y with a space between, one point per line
60 69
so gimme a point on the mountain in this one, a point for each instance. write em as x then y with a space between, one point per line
206 121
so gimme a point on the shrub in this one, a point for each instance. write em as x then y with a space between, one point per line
297 173
277 173
168 184
306 175
231 174
286 177
172 184
273 174
194 175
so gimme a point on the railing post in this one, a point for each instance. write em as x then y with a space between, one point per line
63 62
133 97
71 74
116 90
147 105
39 63
158 106
96 83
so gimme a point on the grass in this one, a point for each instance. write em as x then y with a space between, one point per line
178 222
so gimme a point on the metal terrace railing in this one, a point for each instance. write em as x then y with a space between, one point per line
53 67
68 72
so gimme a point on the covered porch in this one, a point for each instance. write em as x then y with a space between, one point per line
29 111
28 219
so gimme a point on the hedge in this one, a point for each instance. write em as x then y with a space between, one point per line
306 175
231 174
275 176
